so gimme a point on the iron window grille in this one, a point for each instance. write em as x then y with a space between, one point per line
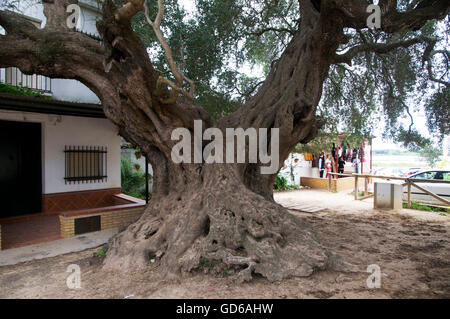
86 164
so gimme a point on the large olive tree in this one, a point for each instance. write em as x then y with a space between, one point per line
217 212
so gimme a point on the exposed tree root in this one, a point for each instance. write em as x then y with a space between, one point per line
236 230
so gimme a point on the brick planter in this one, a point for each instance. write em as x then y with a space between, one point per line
113 217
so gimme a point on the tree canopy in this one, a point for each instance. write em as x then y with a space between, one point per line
223 39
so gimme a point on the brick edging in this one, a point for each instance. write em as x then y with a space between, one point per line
97 211
108 220
112 217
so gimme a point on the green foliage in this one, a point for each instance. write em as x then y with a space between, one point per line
217 40
437 110
223 36
418 206
225 270
423 146
7 88
431 155
206 41
101 254
324 143
222 39
389 88
133 181
206 263
281 184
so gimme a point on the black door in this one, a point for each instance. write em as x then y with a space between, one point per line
20 168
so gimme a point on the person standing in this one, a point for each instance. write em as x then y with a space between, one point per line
341 164
321 164
328 165
356 164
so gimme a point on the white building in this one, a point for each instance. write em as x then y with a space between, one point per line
57 155
59 89
294 167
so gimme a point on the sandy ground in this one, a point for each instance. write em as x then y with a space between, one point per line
410 247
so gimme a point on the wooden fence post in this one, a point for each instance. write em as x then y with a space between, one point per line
366 186
409 195
356 187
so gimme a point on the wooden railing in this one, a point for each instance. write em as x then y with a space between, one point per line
337 175
409 182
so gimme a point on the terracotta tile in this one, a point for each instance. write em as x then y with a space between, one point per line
30 232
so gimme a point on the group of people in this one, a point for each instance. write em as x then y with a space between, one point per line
326 162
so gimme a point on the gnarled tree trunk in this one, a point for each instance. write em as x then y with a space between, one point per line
214 217
224 213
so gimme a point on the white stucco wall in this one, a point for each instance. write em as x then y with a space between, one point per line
86 23
89 16
63 89
71 90
58 131
293 171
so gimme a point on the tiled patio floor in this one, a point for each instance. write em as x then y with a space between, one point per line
30 231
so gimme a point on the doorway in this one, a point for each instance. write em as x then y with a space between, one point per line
20 168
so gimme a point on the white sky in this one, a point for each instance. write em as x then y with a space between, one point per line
188 5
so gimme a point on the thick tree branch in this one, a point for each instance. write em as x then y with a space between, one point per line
259 33
119 72
176 70
128 11
380 48
50 52
414 19
428 58
55 12
354 14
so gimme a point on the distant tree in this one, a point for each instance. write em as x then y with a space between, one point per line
431 155
133 181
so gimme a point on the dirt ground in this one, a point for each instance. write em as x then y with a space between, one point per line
412 249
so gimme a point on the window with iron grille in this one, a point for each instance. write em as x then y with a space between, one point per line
86 164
